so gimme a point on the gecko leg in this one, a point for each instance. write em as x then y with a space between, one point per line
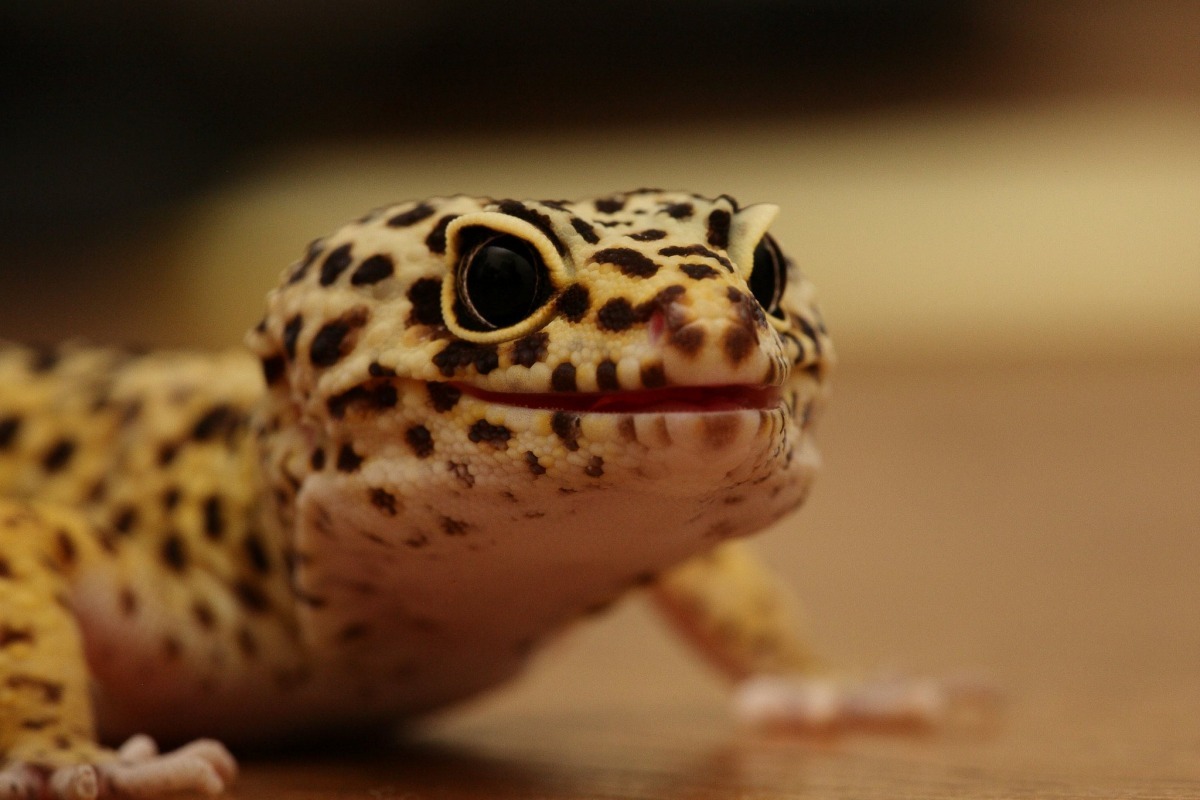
741 617
47 731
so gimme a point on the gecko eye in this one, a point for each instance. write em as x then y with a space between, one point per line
768 277
501 281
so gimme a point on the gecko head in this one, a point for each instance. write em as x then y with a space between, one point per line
650 337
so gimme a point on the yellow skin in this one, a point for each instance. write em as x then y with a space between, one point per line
388 503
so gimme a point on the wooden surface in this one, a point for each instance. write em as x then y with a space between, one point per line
1041 524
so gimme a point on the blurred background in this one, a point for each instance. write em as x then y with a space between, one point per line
963 180
999 201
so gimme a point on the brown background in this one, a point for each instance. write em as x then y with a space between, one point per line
1000 203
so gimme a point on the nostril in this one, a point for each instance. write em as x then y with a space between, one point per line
655 326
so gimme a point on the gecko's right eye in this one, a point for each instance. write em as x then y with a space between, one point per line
501 281
768 278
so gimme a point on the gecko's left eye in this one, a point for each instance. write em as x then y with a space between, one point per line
501 281
768 277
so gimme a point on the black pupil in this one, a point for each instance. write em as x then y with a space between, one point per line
767 276
502 282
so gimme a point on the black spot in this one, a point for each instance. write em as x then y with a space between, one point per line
484 431
462 472
606 375
698 272
566 426
214 518
718 228
167 453
443 396
617 315
534 466
720 430
291 331
574 302
335 264
378 370
739 341
651 235
6 572
609 205
98 493
664 297
528 350
172 648
629 261
273 367
10 635
174 553
653 376
326 348
51 692
380 396
436 240
748 309
461 354
311 254
412 216
204 615
697 250
9 426
170 499
679 210
124 519
688 339
426 298
563 377
218 420
384 500
454 527
348 460
39 724
43 359
809 332
353 632
373 270
338 403
535 218
251 596
586 231
256 553
246 643
317 460
595 467
59 455
420 440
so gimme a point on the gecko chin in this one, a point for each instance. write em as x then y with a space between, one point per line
666 400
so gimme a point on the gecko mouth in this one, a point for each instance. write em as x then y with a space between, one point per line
677 399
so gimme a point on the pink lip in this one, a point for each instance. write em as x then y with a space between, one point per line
695 399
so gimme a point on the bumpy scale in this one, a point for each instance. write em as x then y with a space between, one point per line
464 424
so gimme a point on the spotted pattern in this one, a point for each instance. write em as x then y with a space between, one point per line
287 524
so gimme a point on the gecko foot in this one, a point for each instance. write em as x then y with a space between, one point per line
137 772
825 704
